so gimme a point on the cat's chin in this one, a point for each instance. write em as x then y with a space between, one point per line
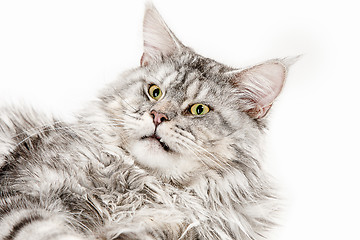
152 154
157 141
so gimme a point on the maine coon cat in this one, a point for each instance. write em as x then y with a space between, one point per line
171 150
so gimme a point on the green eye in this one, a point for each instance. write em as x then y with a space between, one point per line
199 109
155 92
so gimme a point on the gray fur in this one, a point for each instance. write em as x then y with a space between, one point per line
99 178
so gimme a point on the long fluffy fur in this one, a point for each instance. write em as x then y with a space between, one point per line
86 180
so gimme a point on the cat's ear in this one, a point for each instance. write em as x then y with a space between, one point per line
259 85
159 41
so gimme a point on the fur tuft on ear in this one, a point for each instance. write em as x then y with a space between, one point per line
159 41
259 85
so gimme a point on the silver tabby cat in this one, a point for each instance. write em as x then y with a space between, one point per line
171 150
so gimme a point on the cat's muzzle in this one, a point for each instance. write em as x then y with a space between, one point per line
160 140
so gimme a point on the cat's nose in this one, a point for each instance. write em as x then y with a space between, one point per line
158 117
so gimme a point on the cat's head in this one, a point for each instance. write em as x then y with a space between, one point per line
181 114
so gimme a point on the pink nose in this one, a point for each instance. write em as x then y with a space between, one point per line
158 117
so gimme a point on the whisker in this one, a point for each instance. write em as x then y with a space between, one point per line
194 152
215 159
218 160
200 150
129 104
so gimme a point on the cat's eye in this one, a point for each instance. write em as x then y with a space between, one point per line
155 92
199 109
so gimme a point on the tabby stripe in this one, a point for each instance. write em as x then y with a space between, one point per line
224 122
191 83
180 78
188 130
184 78
24 222
200 89
167 78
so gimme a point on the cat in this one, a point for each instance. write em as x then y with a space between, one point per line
170 150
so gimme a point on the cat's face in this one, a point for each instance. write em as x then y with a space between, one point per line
178 119
180 114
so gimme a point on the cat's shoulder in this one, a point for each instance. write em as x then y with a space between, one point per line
12 117
18 123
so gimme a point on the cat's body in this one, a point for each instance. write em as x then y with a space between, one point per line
172 150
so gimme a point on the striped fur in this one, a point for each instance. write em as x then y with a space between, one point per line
102 178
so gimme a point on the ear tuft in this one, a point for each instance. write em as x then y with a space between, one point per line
260 85
159 41
289 61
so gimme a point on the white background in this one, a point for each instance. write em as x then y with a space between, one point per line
55 55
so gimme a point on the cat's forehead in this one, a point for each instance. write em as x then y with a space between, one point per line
184 70
188 82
